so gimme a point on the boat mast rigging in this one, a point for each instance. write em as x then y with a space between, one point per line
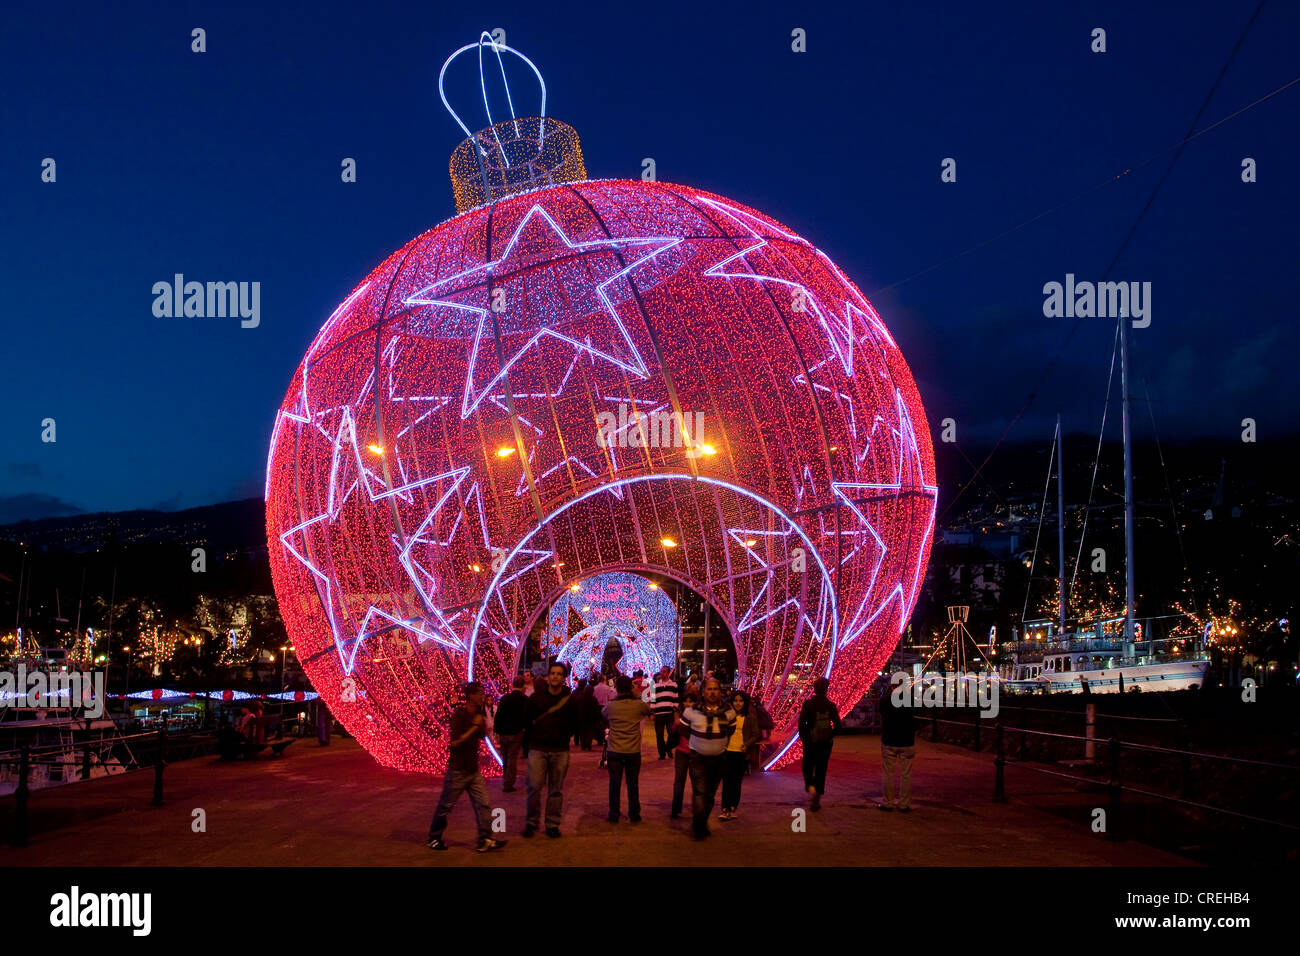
1060 516
1130 591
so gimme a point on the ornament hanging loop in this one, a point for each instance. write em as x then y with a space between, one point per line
487 40
514 155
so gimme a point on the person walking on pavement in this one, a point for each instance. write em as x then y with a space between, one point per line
742 749
509 727
819 721
624 715
550 721
468 727
664 707
710 725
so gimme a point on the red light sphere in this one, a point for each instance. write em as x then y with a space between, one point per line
594 376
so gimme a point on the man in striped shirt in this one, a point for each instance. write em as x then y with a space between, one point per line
664 708
710 726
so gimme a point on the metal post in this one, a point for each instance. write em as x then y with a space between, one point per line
1185 778
677 656
1023 735
1130 587
1112 815
999 763
704 666
19 836
1090 731
934 725
159 764
85 762
977 730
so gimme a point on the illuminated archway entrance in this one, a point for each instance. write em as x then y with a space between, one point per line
616 618
625 620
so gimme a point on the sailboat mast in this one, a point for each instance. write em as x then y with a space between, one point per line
1130 591
1060 515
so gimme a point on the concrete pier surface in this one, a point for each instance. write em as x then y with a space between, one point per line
334 806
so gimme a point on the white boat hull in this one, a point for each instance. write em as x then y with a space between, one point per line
1145 678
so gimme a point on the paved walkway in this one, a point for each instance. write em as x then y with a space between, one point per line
333 806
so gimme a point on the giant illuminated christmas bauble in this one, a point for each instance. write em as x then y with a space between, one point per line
588 377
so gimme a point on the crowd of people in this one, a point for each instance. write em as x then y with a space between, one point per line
713 739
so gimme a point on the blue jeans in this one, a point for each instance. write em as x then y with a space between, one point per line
454 784
549 767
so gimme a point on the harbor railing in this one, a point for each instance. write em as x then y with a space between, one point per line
1114 784
152 751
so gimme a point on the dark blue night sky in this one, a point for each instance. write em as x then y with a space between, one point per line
225 166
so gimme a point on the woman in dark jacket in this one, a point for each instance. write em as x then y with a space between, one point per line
741 749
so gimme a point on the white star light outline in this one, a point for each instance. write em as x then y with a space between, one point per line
341 311
649 405
800 379
499 399
345 452
345 438
348 649
840 331
636 405
390 353
393 448
426 582
376 485
910 476
521 486
741 537
865 309
432 295
302 410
